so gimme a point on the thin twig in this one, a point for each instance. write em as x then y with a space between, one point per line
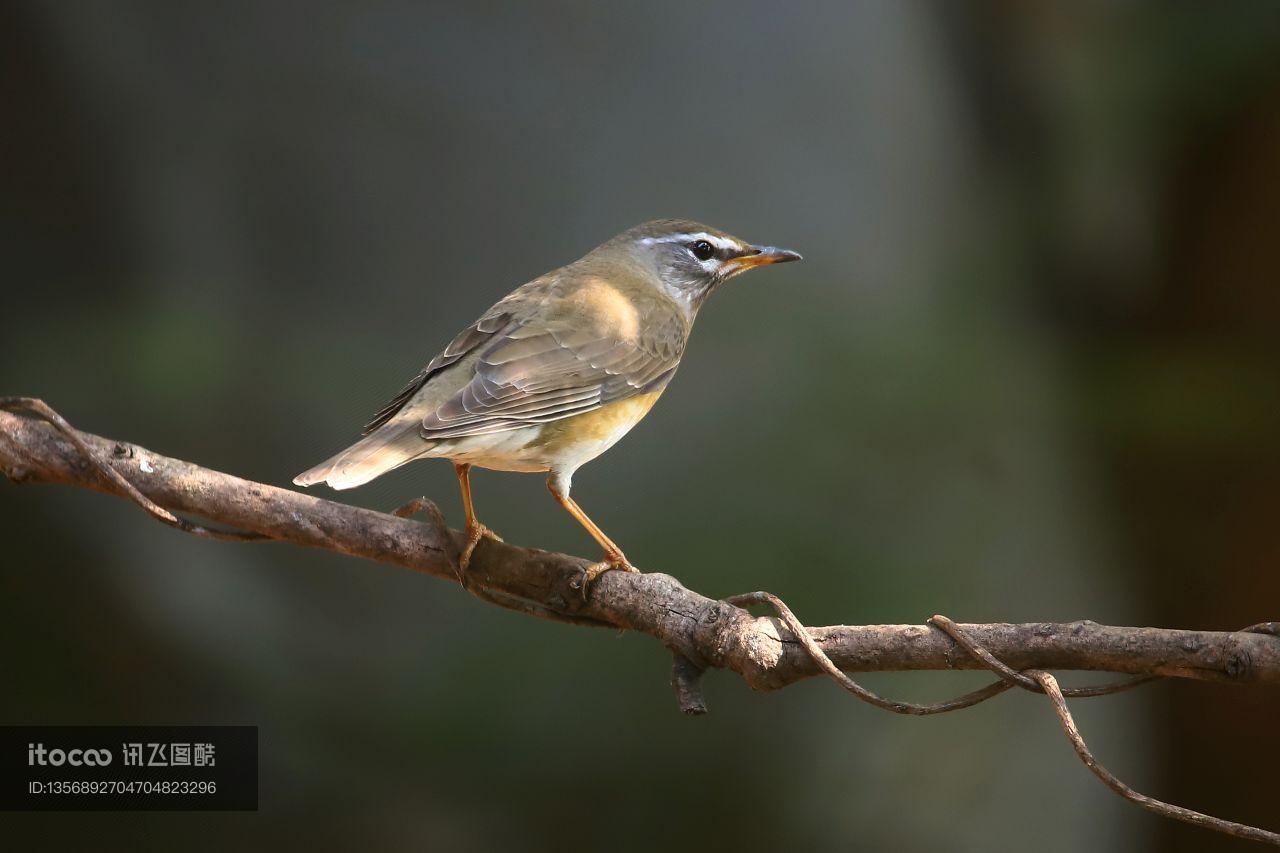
798 630
1026 682
159 513
1049 685
1036 681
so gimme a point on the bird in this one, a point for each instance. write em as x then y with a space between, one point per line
556 372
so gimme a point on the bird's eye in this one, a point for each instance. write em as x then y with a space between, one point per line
702 250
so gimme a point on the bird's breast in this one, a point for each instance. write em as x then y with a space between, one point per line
561 445
577 440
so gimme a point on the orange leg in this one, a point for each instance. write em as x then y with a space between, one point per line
475 530
613 556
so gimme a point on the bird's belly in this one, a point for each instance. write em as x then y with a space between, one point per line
575 441
562 445
500 451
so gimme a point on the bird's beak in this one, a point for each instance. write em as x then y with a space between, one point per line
760 256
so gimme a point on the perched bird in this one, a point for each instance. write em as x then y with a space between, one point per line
557 371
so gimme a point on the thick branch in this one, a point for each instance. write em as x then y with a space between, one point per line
704 632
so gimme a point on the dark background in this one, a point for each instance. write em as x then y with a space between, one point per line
1029 370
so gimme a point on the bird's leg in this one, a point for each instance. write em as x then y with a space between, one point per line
613 556
475 530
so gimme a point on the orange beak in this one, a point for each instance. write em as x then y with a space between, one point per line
761 256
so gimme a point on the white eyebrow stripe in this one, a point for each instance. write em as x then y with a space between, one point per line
718 242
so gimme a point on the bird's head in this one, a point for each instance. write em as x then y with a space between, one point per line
689 259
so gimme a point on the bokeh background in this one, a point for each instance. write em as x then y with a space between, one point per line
1029 370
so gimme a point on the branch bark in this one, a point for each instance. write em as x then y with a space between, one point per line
704 632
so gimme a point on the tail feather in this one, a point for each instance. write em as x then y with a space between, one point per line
372 456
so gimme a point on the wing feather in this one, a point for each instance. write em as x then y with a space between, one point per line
536 372
504 317
526 377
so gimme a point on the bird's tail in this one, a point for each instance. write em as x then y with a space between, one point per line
374 455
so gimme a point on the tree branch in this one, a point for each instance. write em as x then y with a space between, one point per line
701 633
706 632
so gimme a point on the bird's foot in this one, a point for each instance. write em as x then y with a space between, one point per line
612 561
475 532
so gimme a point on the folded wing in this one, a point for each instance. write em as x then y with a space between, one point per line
534 375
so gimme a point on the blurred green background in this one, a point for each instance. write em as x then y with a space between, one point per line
1029 370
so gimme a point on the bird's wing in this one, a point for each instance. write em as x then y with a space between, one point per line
499 318
537 373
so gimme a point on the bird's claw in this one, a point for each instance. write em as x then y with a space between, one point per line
475 533
616 561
